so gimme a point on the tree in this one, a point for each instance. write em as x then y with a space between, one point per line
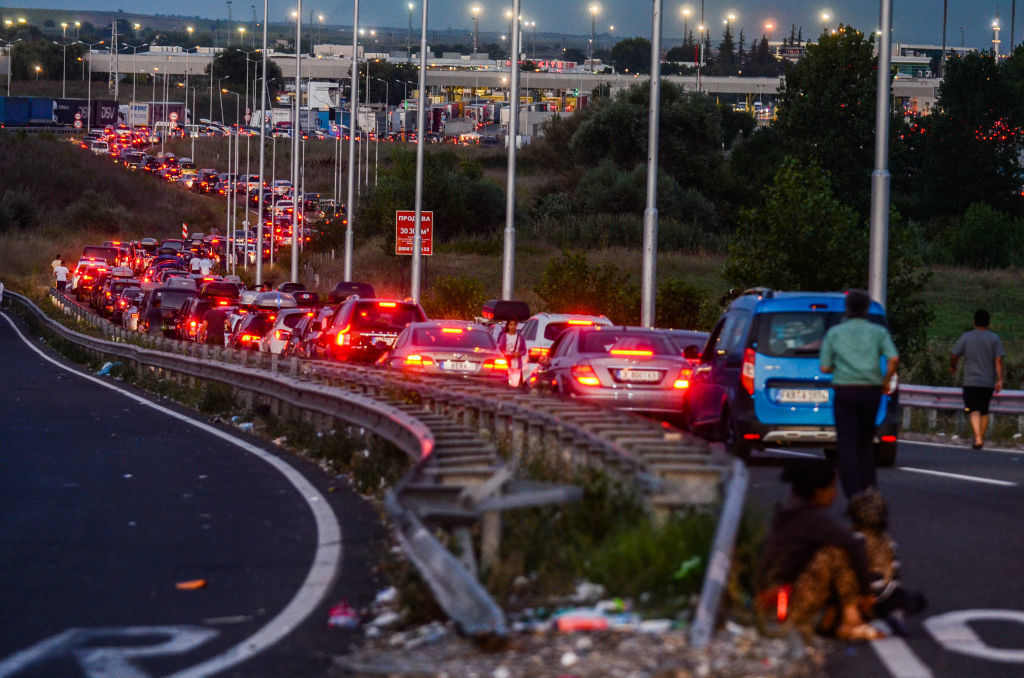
826 112
632 55
572 54
802 237
968 150
726 63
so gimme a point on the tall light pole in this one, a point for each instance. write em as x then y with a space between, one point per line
228 3
233 197
878 257
700 54
189 30
475 10
686 23
10 58
648 288
508 260
421 142
90 45
408 41
263 149
594 11
64 58
826 16
353 116
296 133
254 26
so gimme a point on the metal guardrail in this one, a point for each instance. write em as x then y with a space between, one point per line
951 398
670 468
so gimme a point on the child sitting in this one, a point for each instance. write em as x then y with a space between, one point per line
870 515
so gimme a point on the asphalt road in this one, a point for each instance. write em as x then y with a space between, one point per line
107 504
958 517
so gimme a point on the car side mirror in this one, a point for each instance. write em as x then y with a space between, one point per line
691 352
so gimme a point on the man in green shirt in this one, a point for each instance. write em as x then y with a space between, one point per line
852 352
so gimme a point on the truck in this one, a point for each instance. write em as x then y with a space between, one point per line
40 111
14 111
144 114
104 112
67 111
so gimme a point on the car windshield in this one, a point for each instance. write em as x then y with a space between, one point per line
388 315
626 343
451 337
795 333
175 299
552 330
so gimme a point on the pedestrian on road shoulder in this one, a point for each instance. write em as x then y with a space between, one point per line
57 261
60 275
513 346
852 352
982 351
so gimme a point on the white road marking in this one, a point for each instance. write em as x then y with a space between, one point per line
958 476
961 446
108 661
326 560
899 659
952 631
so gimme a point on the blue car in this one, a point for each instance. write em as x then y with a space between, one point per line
759 383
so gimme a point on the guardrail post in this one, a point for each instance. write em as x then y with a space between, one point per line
490 539
933 419
906 418
273 362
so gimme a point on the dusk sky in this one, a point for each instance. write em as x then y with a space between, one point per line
914 21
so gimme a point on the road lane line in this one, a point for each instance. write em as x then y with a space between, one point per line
326 560
899 659
961 446
958 476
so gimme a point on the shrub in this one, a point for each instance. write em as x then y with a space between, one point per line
19 209
571 285
680 305
986 238
452 297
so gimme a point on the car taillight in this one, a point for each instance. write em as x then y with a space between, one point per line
343 339
585 375
249 337
282 334
747 373
415 360
538 352
632 353
683 380
496 364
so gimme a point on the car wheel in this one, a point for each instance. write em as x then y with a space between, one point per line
729 435
885 454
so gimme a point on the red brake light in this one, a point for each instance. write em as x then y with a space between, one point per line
451 330
538 352
496 364
579 322
683 380
747 373
387 304
417 361
585 375
343 338
888 439
636 353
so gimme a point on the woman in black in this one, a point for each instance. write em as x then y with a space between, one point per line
815 558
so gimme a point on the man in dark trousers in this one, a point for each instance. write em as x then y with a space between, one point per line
851 351
213 323
983 354
155 319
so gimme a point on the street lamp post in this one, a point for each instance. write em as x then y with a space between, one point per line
476 26
10 58
421 142
408 41
135 63
648 288
232 190
594 10
826 16
686 23
88 114
263 149
508 260
353 116
64 58
296 133
878 254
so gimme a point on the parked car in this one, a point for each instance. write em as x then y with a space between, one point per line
625 368
541 330
446 347
759 383
362 329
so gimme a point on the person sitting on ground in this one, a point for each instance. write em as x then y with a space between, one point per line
869 512
816 559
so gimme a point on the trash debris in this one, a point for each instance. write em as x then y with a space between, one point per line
386 619
105 370
245 426
586 591
343 616
568 659
191 585
386 597
686 568
281 440
581 620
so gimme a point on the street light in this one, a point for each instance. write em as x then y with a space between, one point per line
135 71
594 11
10 58
475 9
232 225
686 23
408 40
64 58
768 31
826 16
38 70
88 114
187 88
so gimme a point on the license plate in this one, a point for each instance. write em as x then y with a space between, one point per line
803 395
458 366
389 340
639 376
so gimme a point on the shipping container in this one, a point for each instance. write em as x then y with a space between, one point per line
40 111
14 111
104 112
65 110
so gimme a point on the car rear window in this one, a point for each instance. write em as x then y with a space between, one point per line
795 334
175 299
552 330
609 341
292 319
107 253
389 315
452 337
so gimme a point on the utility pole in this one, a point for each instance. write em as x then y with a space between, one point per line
421 142
878 257
508 259
353 116
296 133
648 288
229 21
263 138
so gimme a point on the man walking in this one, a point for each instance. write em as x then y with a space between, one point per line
852 351
60 275
983 354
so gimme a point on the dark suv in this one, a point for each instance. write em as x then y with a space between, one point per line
759 382
362 329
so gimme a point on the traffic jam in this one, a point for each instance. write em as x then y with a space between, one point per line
171 288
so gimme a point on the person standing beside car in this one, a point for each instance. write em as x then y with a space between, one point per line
851 351
60 276
513 347
982 351
154 319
